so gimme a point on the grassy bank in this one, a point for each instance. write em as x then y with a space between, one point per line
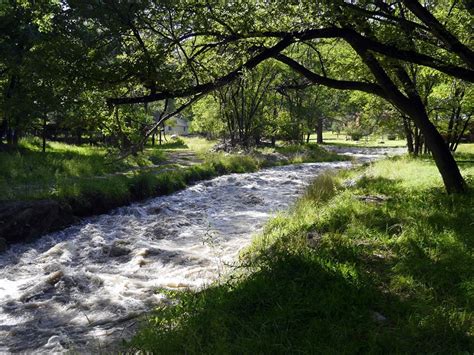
28 173
92 196
384 264
92 181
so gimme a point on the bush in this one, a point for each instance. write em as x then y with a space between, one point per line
356 133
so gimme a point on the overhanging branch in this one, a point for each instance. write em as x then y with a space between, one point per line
209 86
331 83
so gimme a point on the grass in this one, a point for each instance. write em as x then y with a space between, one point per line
341 274
341 139
307 153
199 145
27 173
175 143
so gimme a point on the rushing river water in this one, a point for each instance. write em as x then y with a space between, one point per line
82 288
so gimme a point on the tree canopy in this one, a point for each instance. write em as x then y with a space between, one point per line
106 66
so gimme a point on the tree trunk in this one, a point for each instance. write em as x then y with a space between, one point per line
408 134
9 136
447 166
15 138
459 137
449 137
319 131
409 103
3 129
44 135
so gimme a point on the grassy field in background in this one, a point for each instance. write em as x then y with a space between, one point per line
330 137
381 264
28 173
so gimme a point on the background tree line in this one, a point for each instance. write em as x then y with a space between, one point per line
266 70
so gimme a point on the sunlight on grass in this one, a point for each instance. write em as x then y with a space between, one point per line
199 145
330 137
410 173
30 173
466 148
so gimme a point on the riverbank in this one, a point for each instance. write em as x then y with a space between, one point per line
74 182
374 260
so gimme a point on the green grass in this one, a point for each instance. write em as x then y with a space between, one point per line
28 173
176 143
201 146
98 195
394 276
374 140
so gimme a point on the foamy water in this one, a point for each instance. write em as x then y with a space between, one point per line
82 289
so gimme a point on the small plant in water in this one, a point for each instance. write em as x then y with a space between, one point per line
210 239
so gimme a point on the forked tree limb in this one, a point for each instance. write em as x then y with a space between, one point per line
288 38
440 32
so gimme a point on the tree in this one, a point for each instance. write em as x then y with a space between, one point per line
373 33
241 105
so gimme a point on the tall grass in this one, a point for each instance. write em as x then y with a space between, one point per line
29 173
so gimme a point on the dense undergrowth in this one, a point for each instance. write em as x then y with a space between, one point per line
384 264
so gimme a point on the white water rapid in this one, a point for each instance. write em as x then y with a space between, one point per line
82 288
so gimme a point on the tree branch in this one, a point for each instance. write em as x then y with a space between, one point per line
440 32
388 50
332 83
209 86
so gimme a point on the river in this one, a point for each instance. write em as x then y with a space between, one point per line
82 288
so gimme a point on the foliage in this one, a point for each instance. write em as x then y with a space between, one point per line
113 72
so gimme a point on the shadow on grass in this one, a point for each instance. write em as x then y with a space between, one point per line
295 304
438 238
381 185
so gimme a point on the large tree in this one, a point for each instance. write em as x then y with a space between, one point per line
383 38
